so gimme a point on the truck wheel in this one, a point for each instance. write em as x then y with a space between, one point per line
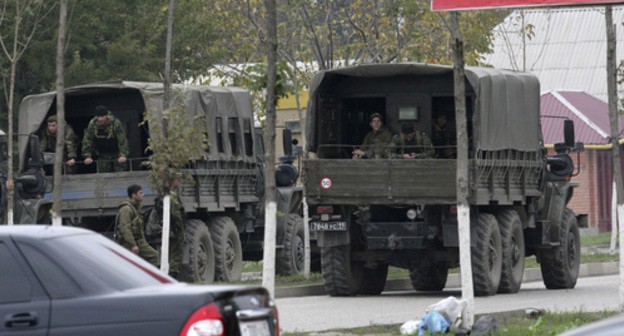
201 265
343 277
512 238
227 249
560 265
374 279
429 274
487 256
290 259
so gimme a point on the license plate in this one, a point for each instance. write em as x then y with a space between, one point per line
255 328
328 226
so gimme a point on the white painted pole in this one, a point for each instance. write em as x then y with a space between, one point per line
306 239
620 209
614 219
268 260
465 263
164 247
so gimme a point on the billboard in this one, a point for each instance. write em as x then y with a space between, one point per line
442 5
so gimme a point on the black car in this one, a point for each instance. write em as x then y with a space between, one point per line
71 281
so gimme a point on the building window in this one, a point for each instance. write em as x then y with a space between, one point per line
293 125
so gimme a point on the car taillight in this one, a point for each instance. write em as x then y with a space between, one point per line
453 210
277 327
205 321
324 209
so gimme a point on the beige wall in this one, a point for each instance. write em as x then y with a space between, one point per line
287 112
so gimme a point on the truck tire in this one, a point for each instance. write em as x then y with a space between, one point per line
512 238
343 277
374 279
429 274
290 259
228 250
201 265
487 256
560 265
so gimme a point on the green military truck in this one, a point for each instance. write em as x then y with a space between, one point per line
223 202
372 213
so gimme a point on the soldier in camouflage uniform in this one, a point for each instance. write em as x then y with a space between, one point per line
176 241
443 137
47 143
130 228
410 144
105 140
376 141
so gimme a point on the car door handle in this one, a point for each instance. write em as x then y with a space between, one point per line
21 320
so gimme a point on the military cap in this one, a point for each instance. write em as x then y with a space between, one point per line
101 110
376 115
52 118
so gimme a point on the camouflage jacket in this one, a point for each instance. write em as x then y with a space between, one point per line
130 224
111 131
420 145
47 142
375 143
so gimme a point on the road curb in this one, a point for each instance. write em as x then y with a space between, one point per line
453 281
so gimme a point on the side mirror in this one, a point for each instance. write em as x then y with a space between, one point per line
568 133
287 141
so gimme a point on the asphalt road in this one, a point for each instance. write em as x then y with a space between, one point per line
319 313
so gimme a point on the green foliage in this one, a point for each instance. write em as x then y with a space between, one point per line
184 142
254 78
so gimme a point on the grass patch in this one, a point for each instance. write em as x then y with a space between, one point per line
596 239
546 324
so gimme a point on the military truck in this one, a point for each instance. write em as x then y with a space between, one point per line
372 213
223 202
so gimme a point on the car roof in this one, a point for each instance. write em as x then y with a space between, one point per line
40 231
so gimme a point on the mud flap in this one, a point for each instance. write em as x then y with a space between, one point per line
331 239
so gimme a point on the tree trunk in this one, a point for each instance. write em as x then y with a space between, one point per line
164 248
268 271
615 146
463 217
57 217
168 57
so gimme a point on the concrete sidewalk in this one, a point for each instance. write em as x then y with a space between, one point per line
530 275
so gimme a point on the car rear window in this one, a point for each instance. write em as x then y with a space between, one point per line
96 260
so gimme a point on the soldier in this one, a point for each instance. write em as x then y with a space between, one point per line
410 144
176 240
105 140
376 141
47 143
443 138
130 228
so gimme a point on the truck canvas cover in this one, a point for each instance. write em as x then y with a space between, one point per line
200 100
506 111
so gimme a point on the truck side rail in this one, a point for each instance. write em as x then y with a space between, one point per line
503 177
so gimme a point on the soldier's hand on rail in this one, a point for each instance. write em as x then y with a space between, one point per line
88 161
121 159
358 154
70 162
135 249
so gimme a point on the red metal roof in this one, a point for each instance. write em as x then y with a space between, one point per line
590 116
